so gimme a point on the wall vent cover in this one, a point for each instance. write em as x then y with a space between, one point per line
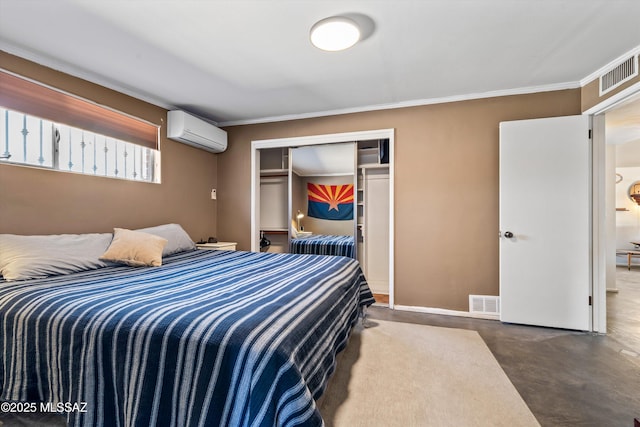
624 71
484 304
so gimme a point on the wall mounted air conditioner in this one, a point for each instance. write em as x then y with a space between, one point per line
191 130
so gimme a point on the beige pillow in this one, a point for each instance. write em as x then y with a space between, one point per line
135 248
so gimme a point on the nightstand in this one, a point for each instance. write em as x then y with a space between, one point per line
220 246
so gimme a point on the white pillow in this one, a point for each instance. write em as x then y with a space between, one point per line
30 257
135 248
177 239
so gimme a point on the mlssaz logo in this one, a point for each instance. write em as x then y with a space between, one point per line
63 407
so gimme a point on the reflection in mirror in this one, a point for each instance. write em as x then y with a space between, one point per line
634 192
322 199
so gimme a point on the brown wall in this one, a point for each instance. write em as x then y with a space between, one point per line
39 201
446 188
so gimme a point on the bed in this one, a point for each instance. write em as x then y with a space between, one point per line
324 245
209 338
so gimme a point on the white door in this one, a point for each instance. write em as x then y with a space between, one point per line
545 226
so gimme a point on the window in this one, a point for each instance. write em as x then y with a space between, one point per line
46 128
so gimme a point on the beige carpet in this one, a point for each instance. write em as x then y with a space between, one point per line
400 374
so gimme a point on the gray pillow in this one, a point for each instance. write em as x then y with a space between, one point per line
31 257
178 239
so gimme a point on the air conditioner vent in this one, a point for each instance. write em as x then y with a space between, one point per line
624 71
484 304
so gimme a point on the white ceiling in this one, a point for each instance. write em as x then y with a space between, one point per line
239 61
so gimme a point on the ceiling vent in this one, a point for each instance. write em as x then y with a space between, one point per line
624 71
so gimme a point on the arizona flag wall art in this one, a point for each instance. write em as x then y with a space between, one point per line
332 202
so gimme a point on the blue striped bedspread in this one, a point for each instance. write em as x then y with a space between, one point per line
324 245
211 338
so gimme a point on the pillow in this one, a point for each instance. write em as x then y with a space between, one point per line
178 239
32 257
135 248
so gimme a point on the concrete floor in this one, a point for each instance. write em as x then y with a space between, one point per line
567 378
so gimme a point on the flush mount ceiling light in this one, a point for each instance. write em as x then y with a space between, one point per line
335 33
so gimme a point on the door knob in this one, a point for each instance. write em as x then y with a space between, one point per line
508 234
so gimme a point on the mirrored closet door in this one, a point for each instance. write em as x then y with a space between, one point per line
322 199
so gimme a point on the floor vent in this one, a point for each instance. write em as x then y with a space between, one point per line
484 304
624 71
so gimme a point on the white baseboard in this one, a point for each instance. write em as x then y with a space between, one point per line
431 310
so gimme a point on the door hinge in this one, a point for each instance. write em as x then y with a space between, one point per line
589 133
590 301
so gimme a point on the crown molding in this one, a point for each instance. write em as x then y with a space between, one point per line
405 104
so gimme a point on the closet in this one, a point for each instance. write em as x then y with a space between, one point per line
278 199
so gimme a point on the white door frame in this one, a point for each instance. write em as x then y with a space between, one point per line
599 206
333 138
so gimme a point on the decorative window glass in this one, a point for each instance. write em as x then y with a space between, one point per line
54 130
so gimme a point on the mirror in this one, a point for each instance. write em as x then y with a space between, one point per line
321 193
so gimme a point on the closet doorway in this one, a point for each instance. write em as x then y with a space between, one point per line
278 204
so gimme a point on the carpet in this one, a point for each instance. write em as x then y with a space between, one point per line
401 374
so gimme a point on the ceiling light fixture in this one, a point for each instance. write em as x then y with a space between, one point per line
335 33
